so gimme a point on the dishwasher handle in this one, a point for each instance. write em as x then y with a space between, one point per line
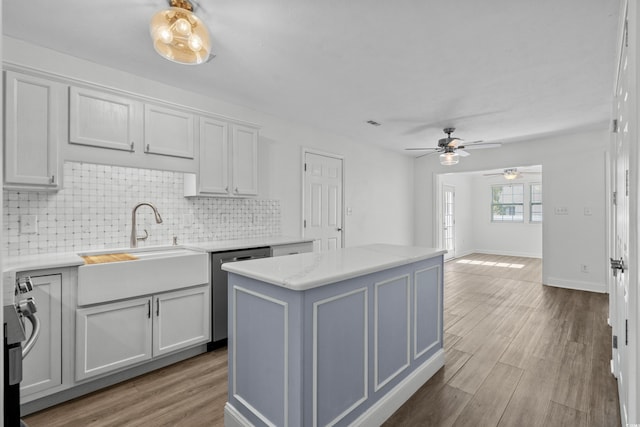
242 258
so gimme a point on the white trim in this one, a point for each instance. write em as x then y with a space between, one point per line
285 307
575 284
306 150
233 418
509 253
377 384
315 356
380 411
415 312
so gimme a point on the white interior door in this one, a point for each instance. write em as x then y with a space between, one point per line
620 316
449 220
323 201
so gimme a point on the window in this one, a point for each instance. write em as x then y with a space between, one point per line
535 206
507 203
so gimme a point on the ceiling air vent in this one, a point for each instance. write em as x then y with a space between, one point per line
373 123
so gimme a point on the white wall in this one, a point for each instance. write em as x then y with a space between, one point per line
573 177
474 230
515 239
378 183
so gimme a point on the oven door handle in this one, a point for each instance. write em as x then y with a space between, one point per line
242 258
35 331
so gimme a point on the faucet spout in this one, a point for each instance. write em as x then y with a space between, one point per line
134 231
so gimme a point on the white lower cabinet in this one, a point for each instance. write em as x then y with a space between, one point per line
42 368
112 336
121 334
181 320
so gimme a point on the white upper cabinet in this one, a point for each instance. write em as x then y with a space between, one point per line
228 160
245 160
214 156
32 129
168 131
102 119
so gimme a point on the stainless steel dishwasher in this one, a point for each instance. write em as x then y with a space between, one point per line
219 291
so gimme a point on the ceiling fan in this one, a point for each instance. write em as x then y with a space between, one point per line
511 174
451 148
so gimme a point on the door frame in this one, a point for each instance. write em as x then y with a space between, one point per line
304 152
444 188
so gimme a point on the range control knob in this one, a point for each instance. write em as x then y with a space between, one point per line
24 285
27 307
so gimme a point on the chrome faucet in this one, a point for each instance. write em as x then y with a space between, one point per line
134 231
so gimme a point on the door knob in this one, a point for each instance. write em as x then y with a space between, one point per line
338 229
617 264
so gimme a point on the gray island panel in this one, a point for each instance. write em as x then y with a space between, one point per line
345 353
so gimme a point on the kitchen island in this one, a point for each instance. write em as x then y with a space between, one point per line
332 338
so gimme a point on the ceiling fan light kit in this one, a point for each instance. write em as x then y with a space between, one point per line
449 158
510 174
180 36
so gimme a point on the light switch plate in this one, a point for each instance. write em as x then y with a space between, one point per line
28 224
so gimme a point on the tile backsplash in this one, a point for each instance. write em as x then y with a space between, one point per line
93 211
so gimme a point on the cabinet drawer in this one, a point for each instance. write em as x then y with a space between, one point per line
295 248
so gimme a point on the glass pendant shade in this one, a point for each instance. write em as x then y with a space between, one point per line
180 36
448 159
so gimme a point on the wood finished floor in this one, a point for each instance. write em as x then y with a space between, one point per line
517 354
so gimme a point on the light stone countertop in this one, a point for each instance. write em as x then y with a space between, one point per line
72 259
310 270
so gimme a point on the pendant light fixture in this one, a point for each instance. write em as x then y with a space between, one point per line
180 36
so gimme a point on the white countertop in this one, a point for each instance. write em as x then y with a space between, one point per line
229 245
72 259
310 270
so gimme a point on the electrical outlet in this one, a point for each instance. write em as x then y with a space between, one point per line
584 268
28 224
588 211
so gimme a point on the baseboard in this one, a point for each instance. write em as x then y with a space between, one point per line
575 284
508 253
233 418
394 399
379 411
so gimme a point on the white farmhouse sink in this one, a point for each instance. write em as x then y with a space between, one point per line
155 270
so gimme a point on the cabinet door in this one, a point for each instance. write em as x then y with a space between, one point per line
168 131
181 319
214 156
31 131
102 119
42 368
245 161
112 336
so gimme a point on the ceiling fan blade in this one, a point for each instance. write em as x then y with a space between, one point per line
493 174
455 142
482 145
422 149
462 153
428 154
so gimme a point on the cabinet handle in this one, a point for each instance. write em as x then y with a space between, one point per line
53 179
147 148
157 306
149 309
236 190
131 146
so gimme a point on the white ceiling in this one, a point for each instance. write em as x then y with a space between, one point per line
498 70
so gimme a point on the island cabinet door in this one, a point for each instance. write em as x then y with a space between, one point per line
181 319
112 336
